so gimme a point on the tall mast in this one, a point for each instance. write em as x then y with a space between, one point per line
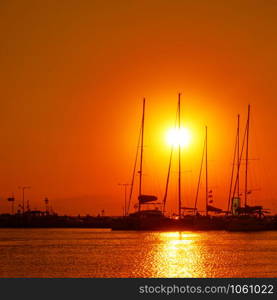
134 173
238 156
207 188
179 178
141 148
199 178
167 179
239 164
235 156
170 162
247 157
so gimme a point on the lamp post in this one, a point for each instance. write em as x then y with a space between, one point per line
125 185
23 188
11 200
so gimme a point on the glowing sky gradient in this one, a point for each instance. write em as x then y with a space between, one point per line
73 75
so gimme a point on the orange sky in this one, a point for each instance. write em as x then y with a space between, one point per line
73 75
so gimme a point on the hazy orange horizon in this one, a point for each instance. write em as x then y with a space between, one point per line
73 75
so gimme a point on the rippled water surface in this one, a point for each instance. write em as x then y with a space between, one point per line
96 253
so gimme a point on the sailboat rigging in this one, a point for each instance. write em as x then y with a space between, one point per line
179 131
179 154
143 198
236 207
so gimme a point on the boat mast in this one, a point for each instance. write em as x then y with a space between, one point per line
207 188
238 154
247 157
169 166
240 159
167 179
134 173
179 177
199 178
141 149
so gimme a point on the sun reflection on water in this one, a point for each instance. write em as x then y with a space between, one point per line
179 255
85 253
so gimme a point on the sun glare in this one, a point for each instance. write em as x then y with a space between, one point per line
176 137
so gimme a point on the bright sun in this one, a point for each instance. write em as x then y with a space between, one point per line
176 137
